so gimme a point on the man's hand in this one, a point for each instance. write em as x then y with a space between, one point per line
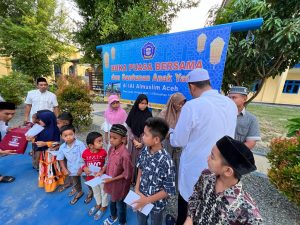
8 152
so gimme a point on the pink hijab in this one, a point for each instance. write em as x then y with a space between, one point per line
112 116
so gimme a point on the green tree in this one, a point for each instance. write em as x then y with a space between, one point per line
267 52
32 33
107 21
19 83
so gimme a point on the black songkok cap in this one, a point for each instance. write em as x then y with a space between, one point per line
7 106
237 154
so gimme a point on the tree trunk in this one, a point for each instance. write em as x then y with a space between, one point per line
260 86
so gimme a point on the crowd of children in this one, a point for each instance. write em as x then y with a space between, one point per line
147 164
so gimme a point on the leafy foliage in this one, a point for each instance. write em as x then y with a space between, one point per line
73 96
266 52
285 166
293 127
15 86
113 20
33 34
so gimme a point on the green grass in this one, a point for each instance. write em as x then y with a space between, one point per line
272 120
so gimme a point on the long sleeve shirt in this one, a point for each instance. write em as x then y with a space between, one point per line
233 206
202 122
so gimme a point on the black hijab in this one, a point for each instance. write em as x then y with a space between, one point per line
137 118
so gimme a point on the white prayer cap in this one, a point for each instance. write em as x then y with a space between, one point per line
198 75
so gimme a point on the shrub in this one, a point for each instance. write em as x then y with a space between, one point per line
15 86
73 96
284 158
293 126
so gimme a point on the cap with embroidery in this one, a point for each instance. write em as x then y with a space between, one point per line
238 90
119 129
197 75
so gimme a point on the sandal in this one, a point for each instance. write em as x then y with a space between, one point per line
76 198
88 198
98 215
7 179
62 188
110 221
72 192
93 210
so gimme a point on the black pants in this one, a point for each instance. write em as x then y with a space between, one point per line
182 210
118 209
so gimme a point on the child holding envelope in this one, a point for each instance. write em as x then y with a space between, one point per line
156 173
119 167
94 157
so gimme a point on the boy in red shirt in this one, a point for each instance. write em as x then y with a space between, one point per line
95 155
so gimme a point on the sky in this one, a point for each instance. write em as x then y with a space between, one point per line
187 19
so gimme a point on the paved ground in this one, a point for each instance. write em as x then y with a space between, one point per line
22 202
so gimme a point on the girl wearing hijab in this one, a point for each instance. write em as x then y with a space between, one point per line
171 114
138 114
50 175
114 114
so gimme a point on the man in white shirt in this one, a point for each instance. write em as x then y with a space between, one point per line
40 99
202 122
7 111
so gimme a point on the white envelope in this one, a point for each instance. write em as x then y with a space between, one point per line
132 196
97 180
34 130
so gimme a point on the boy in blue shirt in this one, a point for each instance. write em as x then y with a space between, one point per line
72 150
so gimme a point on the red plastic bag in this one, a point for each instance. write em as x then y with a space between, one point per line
15 140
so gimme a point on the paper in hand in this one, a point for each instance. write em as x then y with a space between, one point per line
35 130
97 180
132 196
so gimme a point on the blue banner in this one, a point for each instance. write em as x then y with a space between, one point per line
157 66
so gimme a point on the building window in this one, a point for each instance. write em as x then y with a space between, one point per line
255 85
291 86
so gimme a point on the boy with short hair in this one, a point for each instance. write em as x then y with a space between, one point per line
120 168
64 119
156 172
95 155
218 196
72 150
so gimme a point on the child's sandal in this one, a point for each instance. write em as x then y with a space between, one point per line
76 198
72 192
98 215
62 188
93 210
88 198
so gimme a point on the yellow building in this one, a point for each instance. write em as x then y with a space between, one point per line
284 89
72 67
5 66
